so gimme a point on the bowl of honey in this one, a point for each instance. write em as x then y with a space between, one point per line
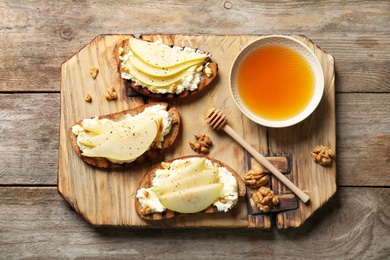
276 81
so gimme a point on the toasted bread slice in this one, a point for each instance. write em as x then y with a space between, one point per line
204 82
151 154
147 179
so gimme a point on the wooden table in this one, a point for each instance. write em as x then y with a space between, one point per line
36 38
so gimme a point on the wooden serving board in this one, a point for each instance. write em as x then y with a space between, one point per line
106 197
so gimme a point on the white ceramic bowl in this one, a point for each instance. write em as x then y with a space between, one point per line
305 52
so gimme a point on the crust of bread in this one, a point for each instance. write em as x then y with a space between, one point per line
147 179
203 84
148 155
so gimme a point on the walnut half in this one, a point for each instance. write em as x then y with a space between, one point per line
265 199
94 71
256 178
146 210
323 155
88 98
111 94
202 145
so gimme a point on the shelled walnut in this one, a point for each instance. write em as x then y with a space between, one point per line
202 145
223 199
88 98
146 210
265 199
256 178
208 72
323 155
111 94
121 51
94 71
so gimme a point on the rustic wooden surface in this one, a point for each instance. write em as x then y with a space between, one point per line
107 197
35 222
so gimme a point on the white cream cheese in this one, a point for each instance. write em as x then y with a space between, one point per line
157 111
229 192
151 200
189 82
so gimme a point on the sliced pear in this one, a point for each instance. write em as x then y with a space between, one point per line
98 133
95 140
85 138
194 167
156 81
99 128
124 145
161 72
193 199
203 178
161 55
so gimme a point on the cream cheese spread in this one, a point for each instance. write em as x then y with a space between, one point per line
229 192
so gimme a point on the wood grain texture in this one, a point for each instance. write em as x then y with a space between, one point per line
356 226
29 138
363 134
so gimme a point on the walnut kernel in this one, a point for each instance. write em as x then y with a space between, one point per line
223 200
146 193
124 69
88 98
323 155
256 178
165 165
199 68
208 72
111 94
94 71
173 88
146 210
265 199
202 145
121 51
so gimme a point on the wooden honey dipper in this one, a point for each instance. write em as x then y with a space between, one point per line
217 120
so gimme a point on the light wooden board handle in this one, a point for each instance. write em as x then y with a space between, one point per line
260 158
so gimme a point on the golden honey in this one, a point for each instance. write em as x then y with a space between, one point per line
275 82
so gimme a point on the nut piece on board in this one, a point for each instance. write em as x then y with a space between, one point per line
111 94
323 155
256 178
88 98
265 199
202 145
94 71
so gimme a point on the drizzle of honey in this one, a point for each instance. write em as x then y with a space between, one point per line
275 82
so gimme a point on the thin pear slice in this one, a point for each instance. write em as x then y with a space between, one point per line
194 167
156 81
126 145
105 126
203 178
193 199
95 140
161 55
161 72
85 138
99 128
97 133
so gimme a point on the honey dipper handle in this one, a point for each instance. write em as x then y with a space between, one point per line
263 161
